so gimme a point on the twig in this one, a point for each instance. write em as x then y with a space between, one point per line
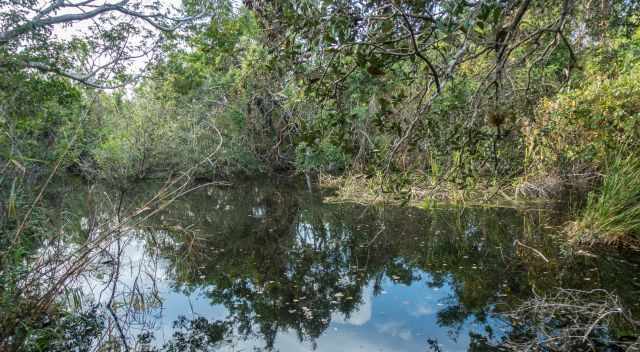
586 335
533 249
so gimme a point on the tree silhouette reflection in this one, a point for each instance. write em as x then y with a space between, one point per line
282 261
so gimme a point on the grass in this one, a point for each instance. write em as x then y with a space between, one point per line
420 191
612 213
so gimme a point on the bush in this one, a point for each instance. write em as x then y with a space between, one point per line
150 135
325 157
39 119
576 129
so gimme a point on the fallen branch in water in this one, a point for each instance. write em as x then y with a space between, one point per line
572 320
533 249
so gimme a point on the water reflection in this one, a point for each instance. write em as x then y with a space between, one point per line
255 267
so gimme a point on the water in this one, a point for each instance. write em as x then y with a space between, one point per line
268 266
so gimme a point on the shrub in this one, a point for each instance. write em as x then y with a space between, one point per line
325 157
576 129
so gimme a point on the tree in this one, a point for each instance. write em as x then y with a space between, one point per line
36 36
430 45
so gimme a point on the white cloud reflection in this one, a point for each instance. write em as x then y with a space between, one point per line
363 313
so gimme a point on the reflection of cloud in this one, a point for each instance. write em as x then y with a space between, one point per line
395 329
363 313
332 341
191 306
421 310
258 212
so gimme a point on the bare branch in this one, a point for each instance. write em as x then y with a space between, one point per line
41 20
417 52
87 80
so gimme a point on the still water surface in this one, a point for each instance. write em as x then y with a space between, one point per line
268 266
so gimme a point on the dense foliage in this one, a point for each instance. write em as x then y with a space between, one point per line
528 98
452 90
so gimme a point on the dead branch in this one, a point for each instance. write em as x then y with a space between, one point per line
570 320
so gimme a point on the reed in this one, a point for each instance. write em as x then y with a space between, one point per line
612 213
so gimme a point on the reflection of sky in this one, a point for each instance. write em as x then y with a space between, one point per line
399 318
362 314
322 251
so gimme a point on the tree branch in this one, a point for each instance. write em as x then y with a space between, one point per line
41 21
416 50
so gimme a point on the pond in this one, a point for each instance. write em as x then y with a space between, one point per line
258 265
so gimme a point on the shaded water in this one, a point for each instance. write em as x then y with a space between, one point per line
257 266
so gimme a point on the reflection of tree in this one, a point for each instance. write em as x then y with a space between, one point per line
198 334
276 265
280 260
